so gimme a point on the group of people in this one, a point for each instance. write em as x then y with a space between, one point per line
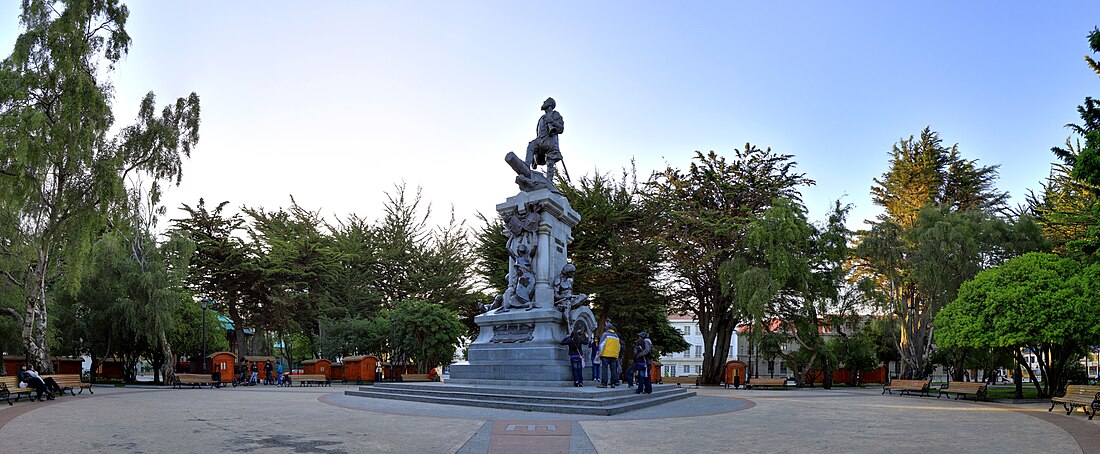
250 373
29 378
606 353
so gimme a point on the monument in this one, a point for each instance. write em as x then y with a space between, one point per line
520 333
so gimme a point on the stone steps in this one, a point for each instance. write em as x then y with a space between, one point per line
586 400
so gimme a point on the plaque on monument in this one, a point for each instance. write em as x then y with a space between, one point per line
513 332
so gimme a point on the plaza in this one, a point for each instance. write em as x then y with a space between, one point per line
267 419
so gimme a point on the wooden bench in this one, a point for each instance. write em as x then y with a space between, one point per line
963 388
415 377
688 380
908 386
9 386
70 382
196 380
766 382
1084 396
307 380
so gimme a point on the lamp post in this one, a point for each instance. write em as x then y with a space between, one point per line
393 351
205 303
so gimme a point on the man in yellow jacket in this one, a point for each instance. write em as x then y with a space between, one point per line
609 357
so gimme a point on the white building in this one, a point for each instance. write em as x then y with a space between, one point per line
689 362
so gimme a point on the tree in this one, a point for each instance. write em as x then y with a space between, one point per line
224 269
1037 301
414 262
931 237
128 301
61 174
701 215
354 336
1071 198
425 333
298 264
791 274
617 264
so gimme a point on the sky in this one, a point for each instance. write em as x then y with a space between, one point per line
336 103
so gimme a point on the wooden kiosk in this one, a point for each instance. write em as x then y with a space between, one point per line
360 368
318 366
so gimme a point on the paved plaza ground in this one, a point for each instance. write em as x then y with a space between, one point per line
324 420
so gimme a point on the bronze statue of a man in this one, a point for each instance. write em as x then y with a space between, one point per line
544 149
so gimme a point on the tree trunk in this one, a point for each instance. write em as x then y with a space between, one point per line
1018 381
34 319
168 369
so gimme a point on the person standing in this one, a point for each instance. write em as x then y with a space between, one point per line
269 369
279 374
645 357
609 357
252 379
594 348
576 342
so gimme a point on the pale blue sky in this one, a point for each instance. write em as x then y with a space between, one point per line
335 104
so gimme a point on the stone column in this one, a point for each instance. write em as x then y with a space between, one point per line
544 294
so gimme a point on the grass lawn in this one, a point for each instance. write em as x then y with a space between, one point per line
1008 392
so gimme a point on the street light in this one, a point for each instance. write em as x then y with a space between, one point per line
205 303
393 351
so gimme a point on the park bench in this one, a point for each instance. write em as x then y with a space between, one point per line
766 382
963 388
196 380
689 380
415 377
307 380
9 387
908 386
70 382
1084 396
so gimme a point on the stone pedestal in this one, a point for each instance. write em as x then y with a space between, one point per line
522 347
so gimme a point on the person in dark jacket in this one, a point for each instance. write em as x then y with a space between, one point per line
254 378
32 379
269 379
644 357
576 342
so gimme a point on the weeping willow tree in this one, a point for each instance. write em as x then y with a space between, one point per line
62 173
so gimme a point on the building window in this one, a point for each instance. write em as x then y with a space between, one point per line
783 368
687 353
698 351
698 369
687 369
687 330
670 371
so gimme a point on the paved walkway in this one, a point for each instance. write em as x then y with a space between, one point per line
323 420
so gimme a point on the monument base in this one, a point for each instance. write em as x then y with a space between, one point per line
518 348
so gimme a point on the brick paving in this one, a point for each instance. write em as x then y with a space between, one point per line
323 420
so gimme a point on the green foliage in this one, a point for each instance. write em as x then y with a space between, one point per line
938 230
186 333
1070 203
792 272
297 265
224 269
61 174
354 336
617 264
414 262
129 301
701 216
491 253
425 333
1036 301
